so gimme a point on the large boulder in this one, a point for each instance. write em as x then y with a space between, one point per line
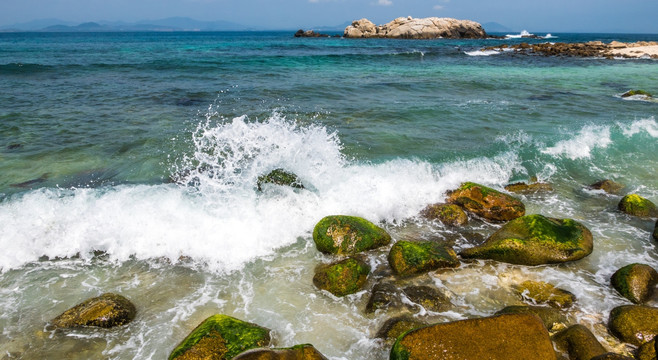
340 234
107 310
221 337
487 202
413 28
503 337
634 324
540 292
579 343
299 352
636 205
535 240
636 282
408 258
553 319
448 214
343 277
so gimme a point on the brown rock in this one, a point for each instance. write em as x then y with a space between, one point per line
636 282
609 186
107 310
523 188
448 214
634 324
579 343
544 293
299 352
486 202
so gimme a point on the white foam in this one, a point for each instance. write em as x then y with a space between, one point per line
650 126
590 137
518 36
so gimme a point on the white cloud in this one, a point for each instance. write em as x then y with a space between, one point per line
438 7
384 2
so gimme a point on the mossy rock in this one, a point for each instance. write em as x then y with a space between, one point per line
636 205
609 186
299 352
636 282
634 324
579 343
393 328
431 299
551 317
221 337
279 177
408 258
611 356
343 277
106 311
487 202
523 188
636 92
503 337
541 292
647 351
535 240
384 295
448 214
340 234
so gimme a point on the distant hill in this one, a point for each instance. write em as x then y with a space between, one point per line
169 24
496 27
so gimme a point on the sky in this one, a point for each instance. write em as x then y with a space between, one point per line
637 16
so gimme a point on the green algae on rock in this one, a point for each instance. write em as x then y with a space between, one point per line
343 277
408 258
541 292
636 92
502 337
341 234
579 342
636 282
636 205
487 202
634 324
553 319
523 188
609 186
393 328
107 310
279 177
299 352
535 240
221 337
448 214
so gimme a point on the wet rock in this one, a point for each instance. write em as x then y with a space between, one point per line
503 337
384 295
14 146
431 299
309 33
106 311
393 328
579 343
552 318
540 292
299 352
535 240
343 277
634 324
448 214
635 93
636 282
523 188
348 235
486 202
611 356
647 351
609 186
408 258
221 337
412 28
31 183
279 177
636 205
655 232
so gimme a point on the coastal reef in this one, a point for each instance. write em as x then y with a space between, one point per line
415 28
614 49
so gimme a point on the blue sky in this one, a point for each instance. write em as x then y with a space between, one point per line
547 15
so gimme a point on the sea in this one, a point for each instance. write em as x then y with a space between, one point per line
129 162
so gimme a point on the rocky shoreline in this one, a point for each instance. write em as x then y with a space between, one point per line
597 49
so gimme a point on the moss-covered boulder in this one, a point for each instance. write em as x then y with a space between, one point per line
579 343
408 258
384 295
393 328
343 277
487 202
609 186
221 337
448 214
106 311
431 299
535 240
279 177
636 282
647 351
552 318
611 356
503 337
299 352
630 93
348 235
634 324
540 292
523 188
636 205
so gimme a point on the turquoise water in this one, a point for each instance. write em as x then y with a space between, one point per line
94 126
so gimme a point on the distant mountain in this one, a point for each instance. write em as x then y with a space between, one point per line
496 27
340 27
37 24
169 24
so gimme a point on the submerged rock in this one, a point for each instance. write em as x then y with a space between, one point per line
579 343
279 177
299 352
535 240
448 214
609 186
106 311
309 33
486 202
408 258
393 328
348 235
655 232
541 292
431 299
384 295
634 324
523 188
412 28
636 282
552 318
635 93
503 337
636 205
221 337
343 277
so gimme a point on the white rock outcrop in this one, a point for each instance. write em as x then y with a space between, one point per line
411 28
